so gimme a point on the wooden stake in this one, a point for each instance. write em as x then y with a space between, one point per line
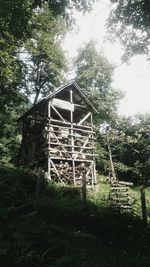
143 205
94 180
38 186
111 162
84 189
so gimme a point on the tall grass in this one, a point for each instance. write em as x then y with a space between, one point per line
60 231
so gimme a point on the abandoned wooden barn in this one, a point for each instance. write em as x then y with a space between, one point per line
58 135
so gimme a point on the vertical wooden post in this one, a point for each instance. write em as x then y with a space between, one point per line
72 138
111 162
143 205
84 189
38 186
49 140
93 168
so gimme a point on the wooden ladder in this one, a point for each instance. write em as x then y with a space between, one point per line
119 195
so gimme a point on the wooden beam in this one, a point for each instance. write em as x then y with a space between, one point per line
57 112
88 171
81 106
84 119
64 145
70 159
63 104
69 128
69 123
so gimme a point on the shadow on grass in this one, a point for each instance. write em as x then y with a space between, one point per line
60 231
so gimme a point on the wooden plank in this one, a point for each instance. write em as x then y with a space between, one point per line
119 188
81 106
125 183
64 145
84 119
74 128
62 104
69 128
82 153
69 123
83 137
70 159
84 190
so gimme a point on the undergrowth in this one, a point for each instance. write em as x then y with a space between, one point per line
56 229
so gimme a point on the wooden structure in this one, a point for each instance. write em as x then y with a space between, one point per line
120 196
58 135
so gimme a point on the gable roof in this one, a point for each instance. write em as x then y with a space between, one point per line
72 85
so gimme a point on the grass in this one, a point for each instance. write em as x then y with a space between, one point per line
58 230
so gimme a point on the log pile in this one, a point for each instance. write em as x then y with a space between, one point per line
63 171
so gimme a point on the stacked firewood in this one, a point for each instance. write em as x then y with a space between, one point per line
65 172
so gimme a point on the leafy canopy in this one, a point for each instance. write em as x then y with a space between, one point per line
44 63
94 76
129 140
129 21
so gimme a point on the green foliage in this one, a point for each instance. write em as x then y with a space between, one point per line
93 69
60 232
10 137
130 22
94 76
102 163
15 15
44 61
129 140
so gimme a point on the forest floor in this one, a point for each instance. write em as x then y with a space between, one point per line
49 225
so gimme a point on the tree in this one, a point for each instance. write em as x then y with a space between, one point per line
129 21
15 28
129 140
94 76
44 63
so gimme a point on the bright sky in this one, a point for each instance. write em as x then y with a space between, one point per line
133 79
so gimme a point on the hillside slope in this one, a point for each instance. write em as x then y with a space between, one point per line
57 230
